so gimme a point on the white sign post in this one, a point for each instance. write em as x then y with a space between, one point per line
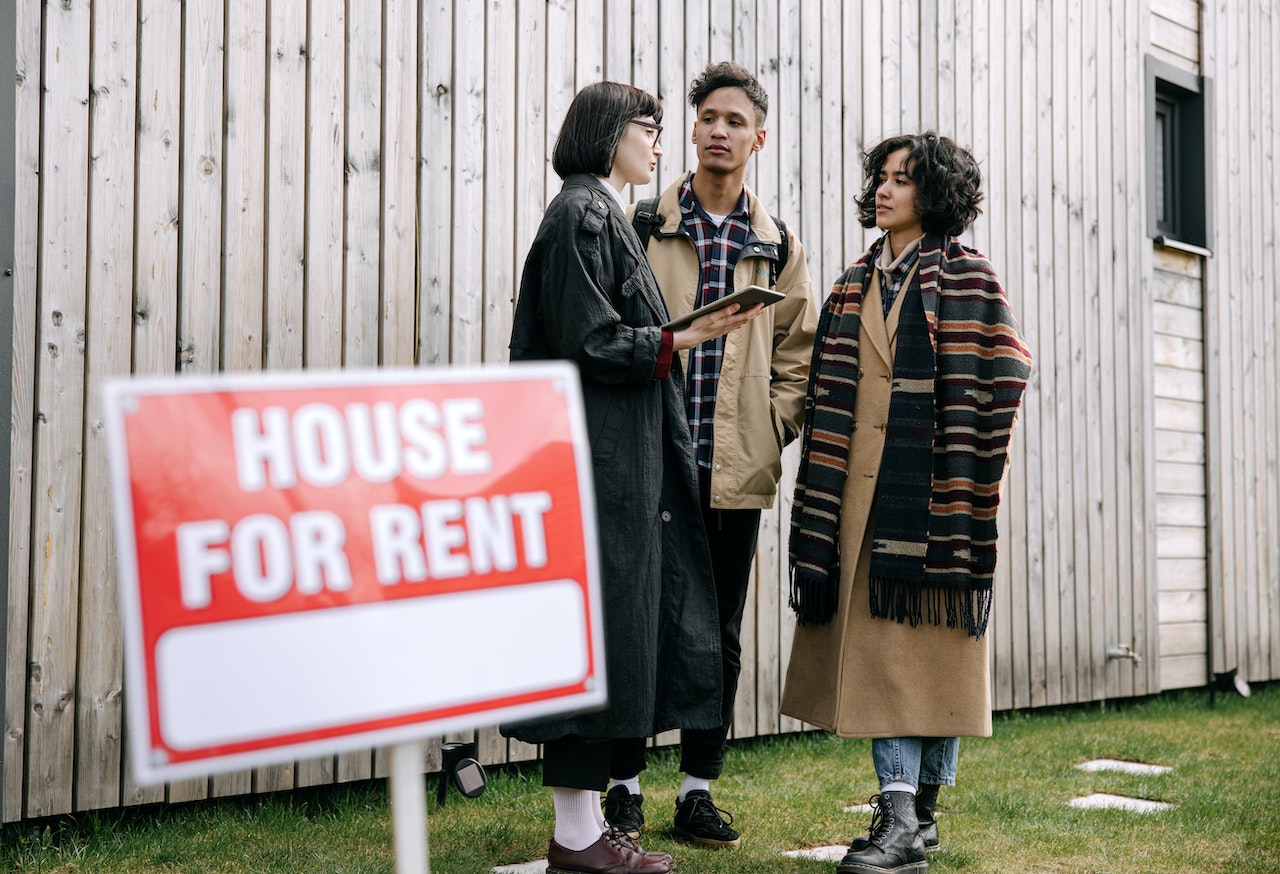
408 809
300 552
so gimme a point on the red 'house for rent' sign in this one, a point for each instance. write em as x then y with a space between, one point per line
319 562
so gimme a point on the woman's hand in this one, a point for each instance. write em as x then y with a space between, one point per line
713 325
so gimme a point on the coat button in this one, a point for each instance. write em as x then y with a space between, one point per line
716 499
666 515
718 467
855 426
757 248
861 373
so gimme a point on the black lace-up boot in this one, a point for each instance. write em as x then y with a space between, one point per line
926 799
893 845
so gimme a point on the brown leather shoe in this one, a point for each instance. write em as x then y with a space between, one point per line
627 841
614 853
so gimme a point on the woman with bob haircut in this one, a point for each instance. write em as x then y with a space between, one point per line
916 377
587 295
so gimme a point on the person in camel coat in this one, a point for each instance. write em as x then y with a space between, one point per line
917 374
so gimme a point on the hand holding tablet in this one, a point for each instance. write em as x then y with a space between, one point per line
747 297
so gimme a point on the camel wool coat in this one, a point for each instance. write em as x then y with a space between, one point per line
860 676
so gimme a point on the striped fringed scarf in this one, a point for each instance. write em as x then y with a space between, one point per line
959 373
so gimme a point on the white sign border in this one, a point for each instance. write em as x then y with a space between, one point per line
120 394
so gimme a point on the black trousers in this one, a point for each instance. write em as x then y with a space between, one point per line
732 536
573 763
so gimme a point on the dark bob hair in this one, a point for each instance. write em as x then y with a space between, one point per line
730 74
594 124
948 181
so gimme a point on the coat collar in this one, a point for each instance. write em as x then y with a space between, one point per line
615 216
762 224
928 276
879 330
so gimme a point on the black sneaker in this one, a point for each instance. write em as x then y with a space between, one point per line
622 811
699 820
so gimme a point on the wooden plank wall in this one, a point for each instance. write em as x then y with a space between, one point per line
1181 508
191 198
26 213
1181 502
225 185
1175 32
1240 41
1040 89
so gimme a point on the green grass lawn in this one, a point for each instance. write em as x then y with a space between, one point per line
1009 812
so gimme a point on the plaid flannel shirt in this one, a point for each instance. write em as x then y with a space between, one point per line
719 248
893 271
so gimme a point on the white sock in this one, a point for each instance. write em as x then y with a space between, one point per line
632 784
576 813
598 810
691 783
898 787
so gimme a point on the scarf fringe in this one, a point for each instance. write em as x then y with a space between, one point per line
812 598
904 601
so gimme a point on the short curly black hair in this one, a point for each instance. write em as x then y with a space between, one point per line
730 74
948 181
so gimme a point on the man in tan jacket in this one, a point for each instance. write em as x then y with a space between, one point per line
707 237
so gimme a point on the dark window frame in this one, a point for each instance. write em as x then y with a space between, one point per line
1179 106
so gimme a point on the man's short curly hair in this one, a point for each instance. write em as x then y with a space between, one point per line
730 74
948 181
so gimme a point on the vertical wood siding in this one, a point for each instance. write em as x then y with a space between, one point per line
59 362
1240 40
226 185
27 107
1180 469
99 711
1181 494
156 223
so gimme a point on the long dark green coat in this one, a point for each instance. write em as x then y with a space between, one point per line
587 295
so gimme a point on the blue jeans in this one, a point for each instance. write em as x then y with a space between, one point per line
916 760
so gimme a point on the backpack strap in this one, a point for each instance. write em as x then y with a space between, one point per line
784 251
645 219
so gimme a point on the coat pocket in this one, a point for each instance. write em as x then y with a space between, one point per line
641 304
632 285
604 425
762 441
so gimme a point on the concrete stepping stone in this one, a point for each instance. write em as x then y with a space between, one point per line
1123 767
536 867
1102 800
822 854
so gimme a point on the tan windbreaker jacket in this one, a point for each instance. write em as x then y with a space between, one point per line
760 398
